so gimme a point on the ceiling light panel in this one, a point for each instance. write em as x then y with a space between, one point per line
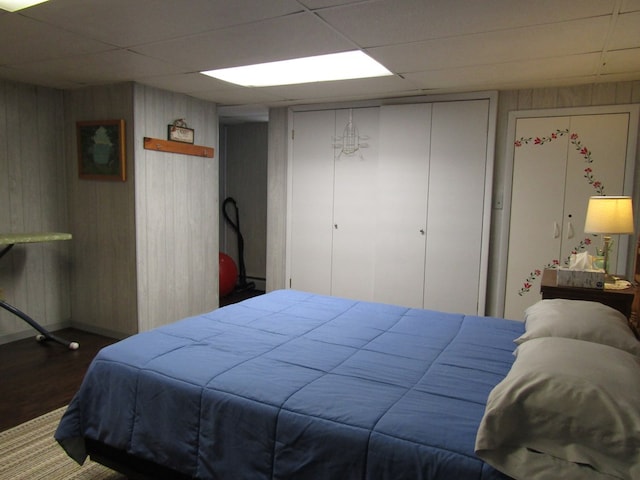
15 5
320 68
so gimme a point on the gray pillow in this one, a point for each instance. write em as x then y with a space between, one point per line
566 409
579 319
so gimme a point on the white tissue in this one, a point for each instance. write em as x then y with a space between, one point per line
581 261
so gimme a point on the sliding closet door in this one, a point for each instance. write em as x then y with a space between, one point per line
455 206
354 212
312 201
388 204
403 177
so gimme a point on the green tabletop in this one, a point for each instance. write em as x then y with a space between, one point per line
11 238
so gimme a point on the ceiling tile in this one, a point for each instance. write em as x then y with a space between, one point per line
184 82
627 33
401 21
275 39
33 78
630 5
126 23
238 96
371 87
522 72
101 68
580 36
318 4
622 61
23 39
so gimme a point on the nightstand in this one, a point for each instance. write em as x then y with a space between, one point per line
621 300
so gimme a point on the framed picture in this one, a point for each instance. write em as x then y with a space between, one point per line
180 134
101 150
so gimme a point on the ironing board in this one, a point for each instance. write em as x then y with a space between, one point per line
7 241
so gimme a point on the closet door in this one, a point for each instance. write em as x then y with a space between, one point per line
605 139
403 177
559 162
537 206
354 212
454 279
311 203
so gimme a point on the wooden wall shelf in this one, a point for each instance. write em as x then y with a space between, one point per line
177 147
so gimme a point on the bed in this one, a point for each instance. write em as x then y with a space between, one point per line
293 385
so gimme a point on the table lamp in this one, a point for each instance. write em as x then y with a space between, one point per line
608 216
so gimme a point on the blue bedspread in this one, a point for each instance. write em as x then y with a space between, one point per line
291 385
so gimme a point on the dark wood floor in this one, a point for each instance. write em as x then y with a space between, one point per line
36 378
39 377
239 295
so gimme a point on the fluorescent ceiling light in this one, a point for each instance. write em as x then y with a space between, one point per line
13 5
321 68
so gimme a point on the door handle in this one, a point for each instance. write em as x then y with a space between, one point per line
570 231
556 230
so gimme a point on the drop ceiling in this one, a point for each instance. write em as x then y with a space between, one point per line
431 46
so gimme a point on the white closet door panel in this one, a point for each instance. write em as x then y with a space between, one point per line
354 215
456 205
312 201
537 217
597 143
401 204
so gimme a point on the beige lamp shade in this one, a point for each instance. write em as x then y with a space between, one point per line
609 215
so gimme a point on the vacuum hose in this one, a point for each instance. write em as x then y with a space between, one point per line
242 273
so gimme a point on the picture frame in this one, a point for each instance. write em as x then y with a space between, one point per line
177 133
101 150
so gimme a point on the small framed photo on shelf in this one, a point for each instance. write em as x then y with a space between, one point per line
178 133
101 150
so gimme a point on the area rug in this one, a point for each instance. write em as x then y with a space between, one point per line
29 452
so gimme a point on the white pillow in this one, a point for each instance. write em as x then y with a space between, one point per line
579 319
566 409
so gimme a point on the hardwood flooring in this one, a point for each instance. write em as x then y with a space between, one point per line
239 295
36 378
39 377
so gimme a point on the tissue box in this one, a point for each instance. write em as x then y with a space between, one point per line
580 278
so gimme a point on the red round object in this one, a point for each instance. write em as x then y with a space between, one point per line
228 274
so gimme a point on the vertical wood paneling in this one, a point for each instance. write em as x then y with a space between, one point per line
176 212
35 277
604 94
101 215
277 191
543 97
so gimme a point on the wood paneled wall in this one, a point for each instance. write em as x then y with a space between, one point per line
145 251
177 211
33 189
102 221
277 191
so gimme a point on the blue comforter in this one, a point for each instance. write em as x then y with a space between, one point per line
291 385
